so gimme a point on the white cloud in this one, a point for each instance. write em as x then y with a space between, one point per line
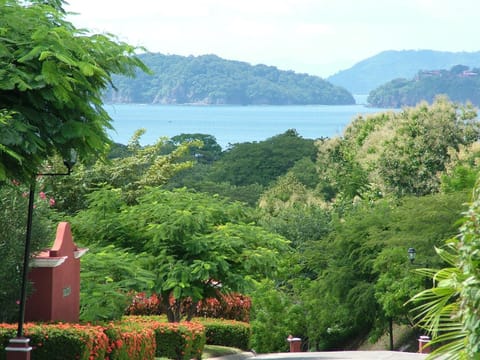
303 35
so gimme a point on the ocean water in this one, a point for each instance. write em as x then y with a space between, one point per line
231 124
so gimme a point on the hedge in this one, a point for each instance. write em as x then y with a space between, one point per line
130 341
133 338
59 341
180 341
226 332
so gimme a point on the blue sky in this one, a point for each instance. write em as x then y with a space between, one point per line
319 37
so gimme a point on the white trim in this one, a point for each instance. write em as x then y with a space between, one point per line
19 340
79 253
19 349
48 262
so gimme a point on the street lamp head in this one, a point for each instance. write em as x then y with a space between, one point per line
412 254
70 160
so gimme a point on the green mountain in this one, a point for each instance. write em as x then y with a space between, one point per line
460 84
208 79
388 65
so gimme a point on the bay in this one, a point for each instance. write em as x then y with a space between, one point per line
231 124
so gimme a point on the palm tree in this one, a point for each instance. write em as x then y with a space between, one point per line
449 311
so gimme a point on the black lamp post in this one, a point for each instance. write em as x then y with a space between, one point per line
19 345
412 254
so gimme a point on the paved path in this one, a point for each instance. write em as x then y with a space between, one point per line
338 355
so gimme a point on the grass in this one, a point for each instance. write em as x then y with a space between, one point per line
212 351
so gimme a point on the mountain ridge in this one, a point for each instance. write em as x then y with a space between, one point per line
211 80
379 69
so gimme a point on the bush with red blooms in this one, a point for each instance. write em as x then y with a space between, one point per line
233 306
179 341
60 341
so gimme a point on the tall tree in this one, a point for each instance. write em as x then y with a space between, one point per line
52 76
199 243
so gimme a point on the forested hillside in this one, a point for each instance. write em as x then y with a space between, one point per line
322 227
370 73
209 79
460 84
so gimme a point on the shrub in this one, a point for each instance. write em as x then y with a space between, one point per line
233 306
227 332
180 341
59 341
130 341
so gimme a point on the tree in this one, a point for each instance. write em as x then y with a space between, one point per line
199 243
109 276
262 162
12 239
140 166
52 78
419 150
449 309
206 153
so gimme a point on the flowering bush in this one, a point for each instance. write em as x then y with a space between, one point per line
230 333
60 341
130 341
144 305
180 341
231 306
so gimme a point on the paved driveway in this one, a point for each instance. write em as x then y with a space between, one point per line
338 355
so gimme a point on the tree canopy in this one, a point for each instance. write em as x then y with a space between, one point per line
52 77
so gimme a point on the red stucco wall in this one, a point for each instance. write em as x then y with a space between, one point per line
56 290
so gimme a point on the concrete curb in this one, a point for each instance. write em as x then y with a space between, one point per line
239 356
343 355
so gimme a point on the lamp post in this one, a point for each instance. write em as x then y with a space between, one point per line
423 340
412 254
19 348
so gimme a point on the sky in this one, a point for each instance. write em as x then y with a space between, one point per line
318 37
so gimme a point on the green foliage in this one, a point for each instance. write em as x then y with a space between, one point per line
449 310
60 341
301 219
419 150
129 174
402 153
108 276
262 162
206 153
341 174
179 341
274 317
226 332
209 79
52 79
195 241
130 341
13 219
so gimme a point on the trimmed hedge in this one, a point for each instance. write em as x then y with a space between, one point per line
130 341
226 332
180 341
133 338
59 341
